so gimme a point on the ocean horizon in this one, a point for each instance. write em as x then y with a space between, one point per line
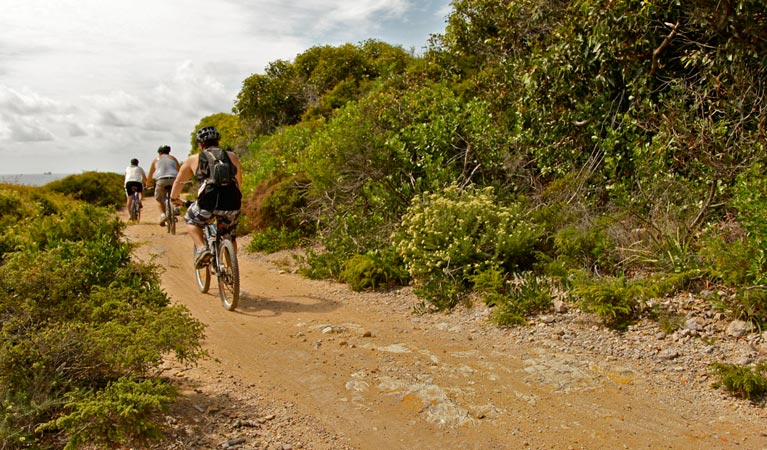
31 179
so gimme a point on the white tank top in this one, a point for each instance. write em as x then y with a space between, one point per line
134 173
165 168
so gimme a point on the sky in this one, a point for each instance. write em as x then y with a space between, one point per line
86 85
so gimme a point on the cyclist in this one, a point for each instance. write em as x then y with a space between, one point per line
214 201
162 173
134 177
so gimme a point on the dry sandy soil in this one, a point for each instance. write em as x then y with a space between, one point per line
305 364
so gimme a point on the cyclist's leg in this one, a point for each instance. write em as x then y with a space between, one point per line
196 219
160 188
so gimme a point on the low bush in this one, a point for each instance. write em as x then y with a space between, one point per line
95 188
120 413
375 270
619 301
742 381
447 238
513 299
84 331
273 240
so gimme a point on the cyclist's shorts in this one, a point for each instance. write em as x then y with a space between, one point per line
161 186
131 184
200 217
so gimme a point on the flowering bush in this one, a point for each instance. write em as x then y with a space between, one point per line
446 238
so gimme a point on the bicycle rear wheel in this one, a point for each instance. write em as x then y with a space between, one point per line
135 211
228 276
170 216
202 275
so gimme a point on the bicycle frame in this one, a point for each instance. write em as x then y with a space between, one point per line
224 265
135 208
170 213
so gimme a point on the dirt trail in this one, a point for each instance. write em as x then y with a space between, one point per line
362 366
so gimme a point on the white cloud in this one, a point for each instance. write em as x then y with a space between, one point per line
87 84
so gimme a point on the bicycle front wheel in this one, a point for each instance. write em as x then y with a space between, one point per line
228 276
202 275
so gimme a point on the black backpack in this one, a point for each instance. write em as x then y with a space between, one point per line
215 167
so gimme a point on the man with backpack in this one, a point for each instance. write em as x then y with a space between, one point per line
219 198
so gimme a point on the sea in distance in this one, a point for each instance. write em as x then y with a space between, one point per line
31 179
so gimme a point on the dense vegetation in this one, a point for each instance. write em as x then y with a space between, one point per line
83 326
571 141
612 151
95 188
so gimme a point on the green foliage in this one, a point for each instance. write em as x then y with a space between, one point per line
228 125
634 130
375 270
78 314
513 298
456 234
319 81
750 201
277 204
121 413
750 304
618 301
728 253
273 240
95 188
586 245
742 381
613 299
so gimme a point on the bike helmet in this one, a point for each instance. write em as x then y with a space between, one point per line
208 134
134 162
164 149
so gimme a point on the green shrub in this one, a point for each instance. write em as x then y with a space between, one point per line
513 299
374 270
447 238
95 188
612 299
750 200
750 304
586 246
121 414
78 314
619 301
323 265
277 203
273 240
742 381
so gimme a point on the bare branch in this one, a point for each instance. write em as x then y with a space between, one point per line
662 46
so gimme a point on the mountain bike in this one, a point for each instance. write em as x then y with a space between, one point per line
135 207
223 264
170 214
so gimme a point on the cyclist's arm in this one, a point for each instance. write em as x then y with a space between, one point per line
151 173
185 173
236 161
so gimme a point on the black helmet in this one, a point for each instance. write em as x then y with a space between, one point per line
208 134
164 149
134 162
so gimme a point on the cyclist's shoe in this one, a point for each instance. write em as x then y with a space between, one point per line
162 220
202 257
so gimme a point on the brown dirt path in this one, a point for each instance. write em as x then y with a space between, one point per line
361 371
